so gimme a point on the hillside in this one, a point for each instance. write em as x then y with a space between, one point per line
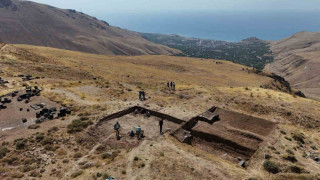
251 52
260 122
25 22
297 58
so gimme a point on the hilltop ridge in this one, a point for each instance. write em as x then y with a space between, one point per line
297 58
26 22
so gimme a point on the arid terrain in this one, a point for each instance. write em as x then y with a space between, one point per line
297 59
26 22
282 128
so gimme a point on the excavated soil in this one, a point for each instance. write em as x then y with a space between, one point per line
234 135
106 134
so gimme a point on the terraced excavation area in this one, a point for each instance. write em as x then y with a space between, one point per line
230 136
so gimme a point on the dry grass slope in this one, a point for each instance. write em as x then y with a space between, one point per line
298 60
96 85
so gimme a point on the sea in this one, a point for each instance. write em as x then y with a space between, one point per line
230 26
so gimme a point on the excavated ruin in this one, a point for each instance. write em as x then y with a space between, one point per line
225 132
231 134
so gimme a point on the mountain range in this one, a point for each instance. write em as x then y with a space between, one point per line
25 22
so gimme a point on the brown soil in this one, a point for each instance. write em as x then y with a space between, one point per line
233 135
107 134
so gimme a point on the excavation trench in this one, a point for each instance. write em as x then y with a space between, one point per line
232 133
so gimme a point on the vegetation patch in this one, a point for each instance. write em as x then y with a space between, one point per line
39 137
3 152
298 137
78 125
271 167
34 126
77 155
20 143
296 169
47 141
290 158
76 174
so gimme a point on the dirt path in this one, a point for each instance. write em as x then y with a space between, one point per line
83 158
132 154
73 96
77 98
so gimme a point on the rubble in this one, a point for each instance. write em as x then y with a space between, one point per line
5 100
29 93
51 113
2 106
209 116
242 163
314 156
187 137
42 112
38 106
27 78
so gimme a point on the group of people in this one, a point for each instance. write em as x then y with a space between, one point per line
139 132
171 86
142 95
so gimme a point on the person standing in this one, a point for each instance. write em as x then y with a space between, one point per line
138 132
117 128
161 124
171 85
174 86
143 95
140 94
168 85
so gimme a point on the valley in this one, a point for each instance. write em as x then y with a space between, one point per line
251 52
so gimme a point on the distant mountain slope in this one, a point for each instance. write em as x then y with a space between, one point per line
250 52
24 22
297 58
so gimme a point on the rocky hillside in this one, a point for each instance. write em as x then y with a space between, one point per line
297 58
24 22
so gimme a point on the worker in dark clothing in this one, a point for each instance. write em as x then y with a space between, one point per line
168 85
140 95
117 128
143 95
173 85
161 124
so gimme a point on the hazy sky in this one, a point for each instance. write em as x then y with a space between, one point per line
230 20
96 7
